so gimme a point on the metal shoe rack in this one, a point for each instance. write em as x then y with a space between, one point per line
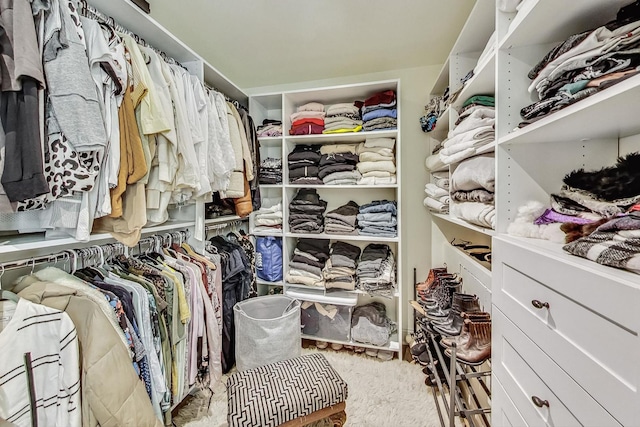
459 379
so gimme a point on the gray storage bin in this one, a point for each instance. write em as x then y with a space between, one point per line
267 330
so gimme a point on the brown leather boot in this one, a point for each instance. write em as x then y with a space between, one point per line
463 338
478 347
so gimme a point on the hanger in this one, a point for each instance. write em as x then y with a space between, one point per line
7 295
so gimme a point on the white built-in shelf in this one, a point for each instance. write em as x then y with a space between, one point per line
554 251
612 113
309 294
223 219
482 83
339 138
481 270
442 126
532 26
267 233
477 29
322 290
350 186
393 345
270 185
457 221
347 238
270 139
442 81
37 241
267 283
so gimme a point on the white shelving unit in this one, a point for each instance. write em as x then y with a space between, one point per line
464 56
279 106
556 317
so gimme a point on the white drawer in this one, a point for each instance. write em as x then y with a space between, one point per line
593 347
526 373
503 411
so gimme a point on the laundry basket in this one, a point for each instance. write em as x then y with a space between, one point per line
267 330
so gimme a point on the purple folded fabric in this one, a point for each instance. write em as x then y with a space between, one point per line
550 216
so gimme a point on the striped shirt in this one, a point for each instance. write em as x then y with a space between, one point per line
39 366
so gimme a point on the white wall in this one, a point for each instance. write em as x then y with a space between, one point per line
415 84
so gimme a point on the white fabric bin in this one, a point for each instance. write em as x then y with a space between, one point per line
267 330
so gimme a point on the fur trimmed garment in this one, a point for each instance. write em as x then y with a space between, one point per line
523 225
614 183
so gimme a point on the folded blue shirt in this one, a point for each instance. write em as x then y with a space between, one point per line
384 112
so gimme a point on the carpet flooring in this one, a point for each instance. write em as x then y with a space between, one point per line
381 394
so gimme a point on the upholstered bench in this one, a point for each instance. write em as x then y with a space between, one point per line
293 392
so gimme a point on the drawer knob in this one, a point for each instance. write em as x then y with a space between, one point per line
539 402
539 304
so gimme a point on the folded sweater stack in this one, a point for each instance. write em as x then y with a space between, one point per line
378 218
472 191
269 128
340 270
377 162
342 118
376 270
342 220
268 219
338 165
308 119
437 191
270 171
379 111
309 258
306 212
474 133
304 163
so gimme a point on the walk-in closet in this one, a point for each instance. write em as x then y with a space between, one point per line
252 214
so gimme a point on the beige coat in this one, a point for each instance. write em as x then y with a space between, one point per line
112 393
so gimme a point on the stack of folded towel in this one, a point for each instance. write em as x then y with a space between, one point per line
378 218
303 165
309 258
306 212
437 191
474 133
340 270
379 111
472 191
268 219
269 128
376 270
342 220
377 161
342 118
308 119
338 164
270 171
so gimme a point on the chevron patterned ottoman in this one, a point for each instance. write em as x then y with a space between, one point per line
293 392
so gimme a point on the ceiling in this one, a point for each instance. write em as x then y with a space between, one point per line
269 42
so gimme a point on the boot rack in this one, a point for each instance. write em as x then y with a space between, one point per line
458 377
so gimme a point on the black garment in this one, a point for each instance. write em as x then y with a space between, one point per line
308 261
305 152
319 248
335 158
236 286
374 251
304 171
346 250
338 167
349 209
23 176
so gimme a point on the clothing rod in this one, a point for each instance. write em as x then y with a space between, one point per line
86 9
86 252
